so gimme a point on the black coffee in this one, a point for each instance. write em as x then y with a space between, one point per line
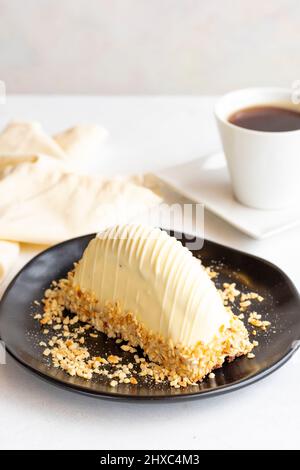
268 118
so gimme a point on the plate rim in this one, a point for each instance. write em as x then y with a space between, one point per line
209 393
206 393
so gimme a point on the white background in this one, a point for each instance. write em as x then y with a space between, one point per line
149 133
148 46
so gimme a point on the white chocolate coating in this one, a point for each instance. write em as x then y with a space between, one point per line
152 275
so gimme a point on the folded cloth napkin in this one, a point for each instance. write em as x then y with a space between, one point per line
43 201
80 141
9 252
26 138
83 141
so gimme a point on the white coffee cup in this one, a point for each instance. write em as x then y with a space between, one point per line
264 166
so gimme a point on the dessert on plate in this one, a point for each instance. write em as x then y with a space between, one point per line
139 284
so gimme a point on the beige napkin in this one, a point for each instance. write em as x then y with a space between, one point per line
9 252
43 201
40 202
82 141
26 138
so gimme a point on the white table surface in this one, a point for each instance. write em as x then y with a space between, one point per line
149 133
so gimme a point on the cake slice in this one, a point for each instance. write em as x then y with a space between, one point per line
140 284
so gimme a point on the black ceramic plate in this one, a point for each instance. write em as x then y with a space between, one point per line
21 333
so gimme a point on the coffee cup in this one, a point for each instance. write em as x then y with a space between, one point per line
264 166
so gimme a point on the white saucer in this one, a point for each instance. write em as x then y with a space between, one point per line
206 181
